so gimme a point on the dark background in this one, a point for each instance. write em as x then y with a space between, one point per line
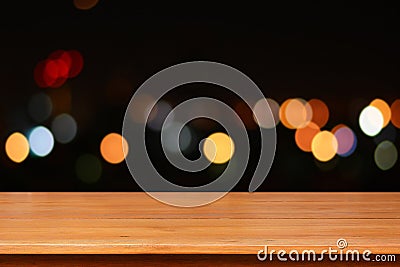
346 55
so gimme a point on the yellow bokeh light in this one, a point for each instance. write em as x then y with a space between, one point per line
384 108
114 148
218 148
324 146
17 147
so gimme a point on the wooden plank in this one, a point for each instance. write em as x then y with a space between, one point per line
163 260
240 223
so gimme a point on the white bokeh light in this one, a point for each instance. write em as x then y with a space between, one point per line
371 121
41 141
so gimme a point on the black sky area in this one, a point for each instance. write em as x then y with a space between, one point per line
346 54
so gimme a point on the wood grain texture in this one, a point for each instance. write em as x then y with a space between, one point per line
239 223
165 261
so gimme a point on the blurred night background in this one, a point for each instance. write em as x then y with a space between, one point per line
69 69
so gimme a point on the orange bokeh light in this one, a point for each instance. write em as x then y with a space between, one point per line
295 113
304 136
114 148
395 109
85 4
320 112
17 147
282 114
384 109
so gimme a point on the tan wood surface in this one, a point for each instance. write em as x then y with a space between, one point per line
239 223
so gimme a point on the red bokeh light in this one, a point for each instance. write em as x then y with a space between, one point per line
76 63
57 68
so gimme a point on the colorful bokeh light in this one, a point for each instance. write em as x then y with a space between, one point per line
218 148
114 148
347 140
41 141
324 146
85 4
64 128
371 121
263 117
54 71
384 109
76 63
295 113
320 112
385 155
395 110
304 136
17 147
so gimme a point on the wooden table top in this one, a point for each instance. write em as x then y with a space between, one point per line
240 223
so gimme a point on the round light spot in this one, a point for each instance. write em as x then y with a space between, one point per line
295 113
85 4
384 109
218 148
262 116
282 114
64 128
40 107
324 146
17 147
320 112
304 136
347 140
385 155
88 168
172 132
371 121
114 148
395 109
41 141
